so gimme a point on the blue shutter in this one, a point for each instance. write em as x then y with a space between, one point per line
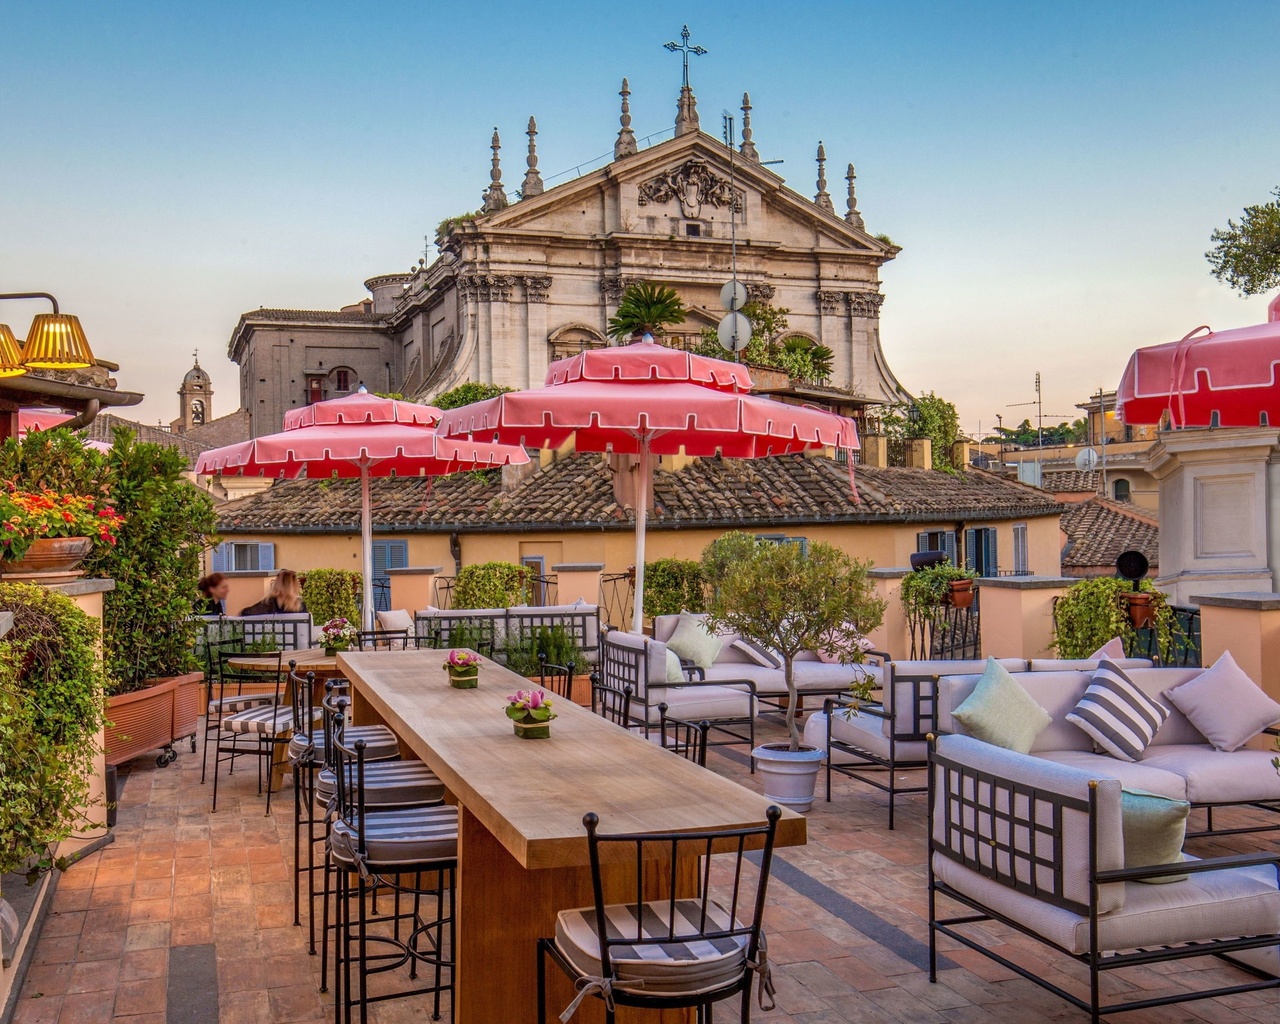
922 541
220 558
991 564
970 548
266 557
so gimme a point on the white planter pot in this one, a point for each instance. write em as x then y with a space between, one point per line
789 775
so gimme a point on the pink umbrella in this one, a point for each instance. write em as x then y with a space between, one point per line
646 399
359 435
1223 378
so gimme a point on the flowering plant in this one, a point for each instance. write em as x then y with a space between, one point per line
462 659
529 706
338 633
27 516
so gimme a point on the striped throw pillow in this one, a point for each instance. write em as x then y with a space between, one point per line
1118 716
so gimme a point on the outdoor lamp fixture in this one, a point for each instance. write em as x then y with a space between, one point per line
913 413
55 341
10 354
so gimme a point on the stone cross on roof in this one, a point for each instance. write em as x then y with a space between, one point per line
684 49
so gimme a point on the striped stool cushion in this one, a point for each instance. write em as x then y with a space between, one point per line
265 721
419 835
242 702
387 784
680 967
381 742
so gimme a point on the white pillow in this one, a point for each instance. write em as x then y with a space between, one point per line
760 655
692 641
675 671
397 619
1112 650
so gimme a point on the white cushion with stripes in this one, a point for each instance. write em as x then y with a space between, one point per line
380 741
240 702
387 784
688 965
271 720
1117 715
419 835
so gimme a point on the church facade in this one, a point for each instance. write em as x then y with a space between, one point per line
537 274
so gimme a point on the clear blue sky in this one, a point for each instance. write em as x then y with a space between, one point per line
1052 171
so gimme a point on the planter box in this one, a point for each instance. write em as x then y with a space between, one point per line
187 707
140 721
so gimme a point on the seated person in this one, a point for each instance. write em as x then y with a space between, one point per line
213 595
284 597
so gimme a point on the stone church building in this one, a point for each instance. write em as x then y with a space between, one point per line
537 272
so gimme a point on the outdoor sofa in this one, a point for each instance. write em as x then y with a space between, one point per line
1060 853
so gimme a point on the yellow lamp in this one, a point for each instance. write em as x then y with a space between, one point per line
10 354
56 342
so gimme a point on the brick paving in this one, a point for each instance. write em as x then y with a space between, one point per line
846 923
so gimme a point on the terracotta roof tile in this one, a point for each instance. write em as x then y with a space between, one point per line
102 428
1071 481
1099 529
578 491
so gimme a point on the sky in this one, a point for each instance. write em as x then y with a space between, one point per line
1052 171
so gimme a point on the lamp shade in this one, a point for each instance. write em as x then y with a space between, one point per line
10 354
56 342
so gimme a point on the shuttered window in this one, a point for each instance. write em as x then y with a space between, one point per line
387 554
937 540
1021 554
980 551
240 556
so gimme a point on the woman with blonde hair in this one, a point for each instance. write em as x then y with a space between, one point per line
284 597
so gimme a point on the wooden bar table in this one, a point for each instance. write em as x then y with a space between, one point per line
522 853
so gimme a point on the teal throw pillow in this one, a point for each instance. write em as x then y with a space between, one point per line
1155 828
1001 712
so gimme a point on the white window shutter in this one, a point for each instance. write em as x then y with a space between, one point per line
220 558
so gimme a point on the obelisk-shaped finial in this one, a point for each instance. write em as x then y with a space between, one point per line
626 144
495 198
532 179
748 147
852 215
823 198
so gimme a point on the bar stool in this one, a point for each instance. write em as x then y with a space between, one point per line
393 850
308 753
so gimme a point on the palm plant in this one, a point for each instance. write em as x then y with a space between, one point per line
646 309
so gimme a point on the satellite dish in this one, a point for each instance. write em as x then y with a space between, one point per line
1132 565
733 296
1086 460
734 331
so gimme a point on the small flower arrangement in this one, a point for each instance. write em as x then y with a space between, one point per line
530 711
463 668
338 635
28 516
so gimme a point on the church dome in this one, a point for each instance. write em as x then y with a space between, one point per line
196 375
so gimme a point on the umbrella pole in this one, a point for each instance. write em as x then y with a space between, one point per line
642 512
366 545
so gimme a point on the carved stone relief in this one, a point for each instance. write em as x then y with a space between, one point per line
692 185
536 289
491 287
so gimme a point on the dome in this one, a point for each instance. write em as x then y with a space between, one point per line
196 374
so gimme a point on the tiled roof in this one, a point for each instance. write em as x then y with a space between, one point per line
578 491
323 316
1071 481
1099 529
228 429
102 429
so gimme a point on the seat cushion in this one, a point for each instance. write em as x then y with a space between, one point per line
417 835
1212 905
270 720
1132 774
686 965
694 703
243 702
864 732
1216 776
380 743
388 784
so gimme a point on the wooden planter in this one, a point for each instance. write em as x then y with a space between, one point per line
140 721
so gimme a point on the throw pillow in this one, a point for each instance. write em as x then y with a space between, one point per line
675 671
1001 712
693 642
1118 716
762 656
397 618
1112 650
1225 704
1155 828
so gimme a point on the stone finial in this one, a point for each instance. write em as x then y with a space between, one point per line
532 179
495 198
852 215
687 112
626 144
748 148
823 198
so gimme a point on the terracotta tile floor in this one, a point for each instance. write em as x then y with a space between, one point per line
846 922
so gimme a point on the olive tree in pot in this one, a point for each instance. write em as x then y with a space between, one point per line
791 601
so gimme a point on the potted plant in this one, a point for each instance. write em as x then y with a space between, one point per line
1141 611
50 715
49 531
338 635
790 601
1097 609
464 669
530 712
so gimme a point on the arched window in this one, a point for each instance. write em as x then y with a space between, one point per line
197 412
1121 490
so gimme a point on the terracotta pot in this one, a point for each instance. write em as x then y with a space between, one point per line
140 721
960 593
50 554
1141 612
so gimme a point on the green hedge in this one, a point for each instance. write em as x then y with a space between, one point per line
673 585
492 585
331 594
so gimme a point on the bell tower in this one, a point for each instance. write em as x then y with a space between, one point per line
195 399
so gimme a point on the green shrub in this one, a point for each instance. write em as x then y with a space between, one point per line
492 585
924 591
1093 611
332 594
56 460
555 643
672 585
50 712
468 392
